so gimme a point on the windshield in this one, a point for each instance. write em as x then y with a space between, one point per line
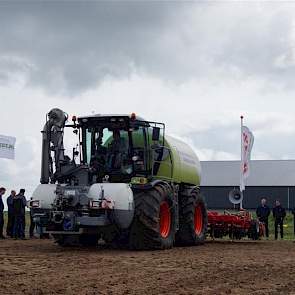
117 151
108 152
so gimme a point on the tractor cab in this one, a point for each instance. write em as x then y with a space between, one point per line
118 146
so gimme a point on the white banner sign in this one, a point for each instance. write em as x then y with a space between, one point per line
247 144
7 147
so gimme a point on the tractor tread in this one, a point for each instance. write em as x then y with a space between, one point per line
186 235
144 233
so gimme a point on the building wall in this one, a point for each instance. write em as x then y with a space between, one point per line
217 196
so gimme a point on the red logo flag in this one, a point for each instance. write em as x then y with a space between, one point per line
247 144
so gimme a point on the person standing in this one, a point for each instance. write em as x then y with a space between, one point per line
24 204
279 213
263 212
10 220
19 205
2 192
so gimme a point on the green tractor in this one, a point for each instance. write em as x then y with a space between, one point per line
126 183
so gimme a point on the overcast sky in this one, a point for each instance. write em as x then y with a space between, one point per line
196 66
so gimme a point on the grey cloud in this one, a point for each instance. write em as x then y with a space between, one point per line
217 138
70 47
75 45
268 142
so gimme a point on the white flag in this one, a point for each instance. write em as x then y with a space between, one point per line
247 141
7 147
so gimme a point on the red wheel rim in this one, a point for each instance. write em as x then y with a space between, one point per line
165 220
198 219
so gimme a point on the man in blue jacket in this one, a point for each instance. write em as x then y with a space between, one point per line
263 213
2 192
10 219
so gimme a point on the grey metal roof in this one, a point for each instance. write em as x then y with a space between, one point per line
262 173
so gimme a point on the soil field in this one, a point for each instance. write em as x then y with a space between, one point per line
218 267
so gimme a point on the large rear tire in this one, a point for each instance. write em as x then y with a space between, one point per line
154 222
192 220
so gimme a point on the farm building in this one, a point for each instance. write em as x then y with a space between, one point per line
273 179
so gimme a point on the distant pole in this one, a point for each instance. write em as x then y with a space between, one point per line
241 176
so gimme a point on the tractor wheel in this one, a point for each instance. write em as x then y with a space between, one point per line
154 222
192 220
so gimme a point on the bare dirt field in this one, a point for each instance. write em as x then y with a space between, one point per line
245 267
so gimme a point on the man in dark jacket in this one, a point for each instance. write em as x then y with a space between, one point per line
2 192
10 220
19 208
279 214
263 213
24 203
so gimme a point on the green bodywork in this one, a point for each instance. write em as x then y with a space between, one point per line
159 157
179 163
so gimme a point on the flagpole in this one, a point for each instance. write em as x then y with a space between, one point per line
241 178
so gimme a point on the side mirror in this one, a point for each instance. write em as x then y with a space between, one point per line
156 134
